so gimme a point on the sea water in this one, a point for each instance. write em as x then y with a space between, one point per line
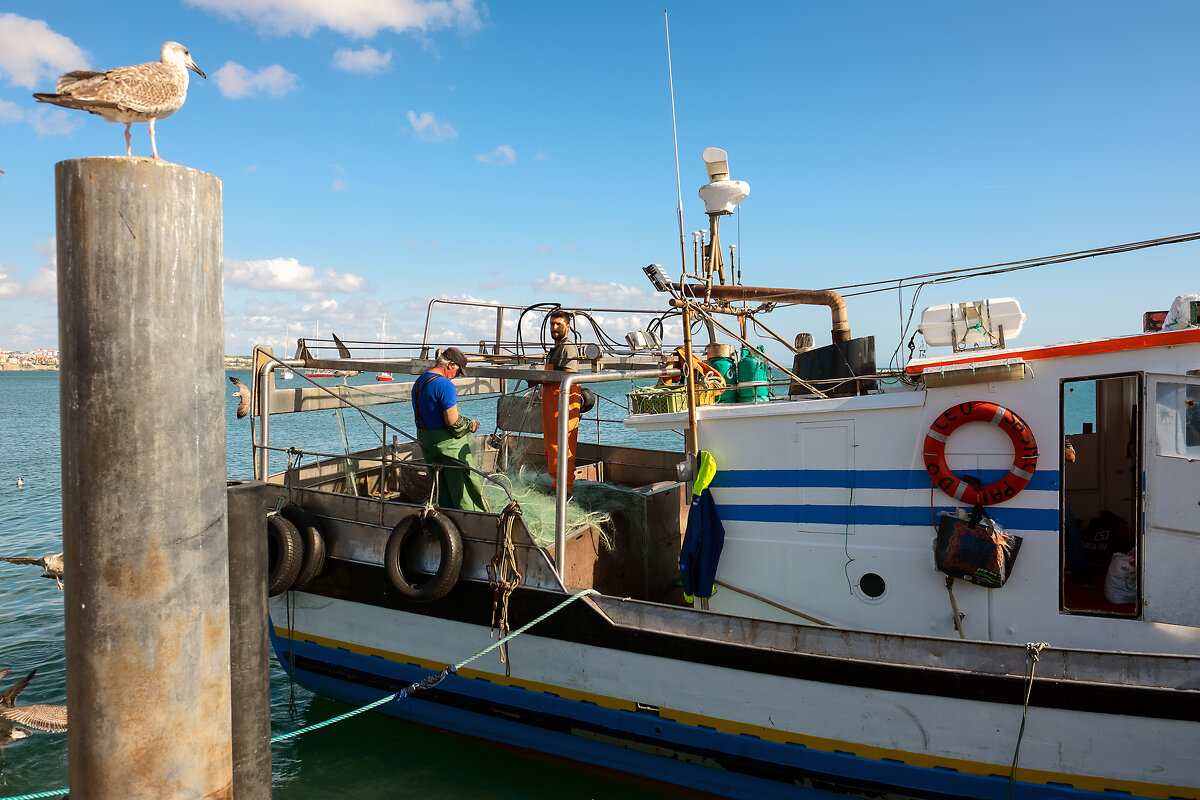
367 756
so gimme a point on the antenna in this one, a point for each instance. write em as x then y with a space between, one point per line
675 132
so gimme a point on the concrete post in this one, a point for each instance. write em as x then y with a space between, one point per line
249 646
143 396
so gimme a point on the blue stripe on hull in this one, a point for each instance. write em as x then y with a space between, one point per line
751 768
1044 480
1026 519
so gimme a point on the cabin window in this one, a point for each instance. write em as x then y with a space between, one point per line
1177 420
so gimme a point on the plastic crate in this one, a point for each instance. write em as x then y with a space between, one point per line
657 400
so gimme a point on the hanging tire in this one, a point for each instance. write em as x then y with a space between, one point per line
285 554
313 544
402 547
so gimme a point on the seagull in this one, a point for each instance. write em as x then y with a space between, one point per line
343 352
52 565
40 717
243 396
142 93
8 732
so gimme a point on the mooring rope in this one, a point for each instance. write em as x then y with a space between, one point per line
428 682
503 574
1033 653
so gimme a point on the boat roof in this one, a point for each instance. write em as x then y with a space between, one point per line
1117 344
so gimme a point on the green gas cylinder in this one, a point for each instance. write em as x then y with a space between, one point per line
721 358
752 368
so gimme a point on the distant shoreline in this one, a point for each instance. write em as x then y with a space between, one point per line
43 368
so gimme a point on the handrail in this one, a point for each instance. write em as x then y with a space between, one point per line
262 470
565 382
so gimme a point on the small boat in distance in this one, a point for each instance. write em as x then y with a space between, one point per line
382 376
285 373
318 373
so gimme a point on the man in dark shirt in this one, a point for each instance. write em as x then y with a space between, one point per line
444 435
563 357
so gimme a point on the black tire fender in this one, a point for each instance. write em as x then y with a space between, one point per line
285 553
401 547
313 561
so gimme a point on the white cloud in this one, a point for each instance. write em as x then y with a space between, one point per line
43 285
53 121
11 112
340 185
236 82
344 281
361 18
30 52
592 290
502 156
9 287
289 275
427 127
45 121
365 61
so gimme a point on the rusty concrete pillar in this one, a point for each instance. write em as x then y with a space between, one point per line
143 395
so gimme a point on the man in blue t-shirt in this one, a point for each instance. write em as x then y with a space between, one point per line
444 435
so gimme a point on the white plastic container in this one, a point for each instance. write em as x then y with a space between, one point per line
978 322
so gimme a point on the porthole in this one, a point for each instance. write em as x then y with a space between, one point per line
872 585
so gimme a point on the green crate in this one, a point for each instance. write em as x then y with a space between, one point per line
657 400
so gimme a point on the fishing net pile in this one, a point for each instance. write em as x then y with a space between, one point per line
604 506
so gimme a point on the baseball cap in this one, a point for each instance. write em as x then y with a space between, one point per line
456 355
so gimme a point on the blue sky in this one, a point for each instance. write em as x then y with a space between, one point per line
376 153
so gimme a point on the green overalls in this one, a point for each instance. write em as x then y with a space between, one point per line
457 487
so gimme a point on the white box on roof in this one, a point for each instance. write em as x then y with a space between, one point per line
974 323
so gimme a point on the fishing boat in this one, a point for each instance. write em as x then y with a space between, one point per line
876 595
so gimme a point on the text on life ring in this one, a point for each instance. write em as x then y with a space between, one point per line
1024 444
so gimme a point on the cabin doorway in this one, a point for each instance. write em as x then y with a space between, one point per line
1100 507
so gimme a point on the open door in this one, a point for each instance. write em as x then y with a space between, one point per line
1101 499
1172 498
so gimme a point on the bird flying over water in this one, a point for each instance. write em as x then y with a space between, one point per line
8 731
142 93
39 716
243 396
52 565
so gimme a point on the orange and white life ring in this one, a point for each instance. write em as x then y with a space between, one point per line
1025 452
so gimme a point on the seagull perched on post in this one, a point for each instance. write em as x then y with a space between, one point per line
52 565
39 716
243 396
142 93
